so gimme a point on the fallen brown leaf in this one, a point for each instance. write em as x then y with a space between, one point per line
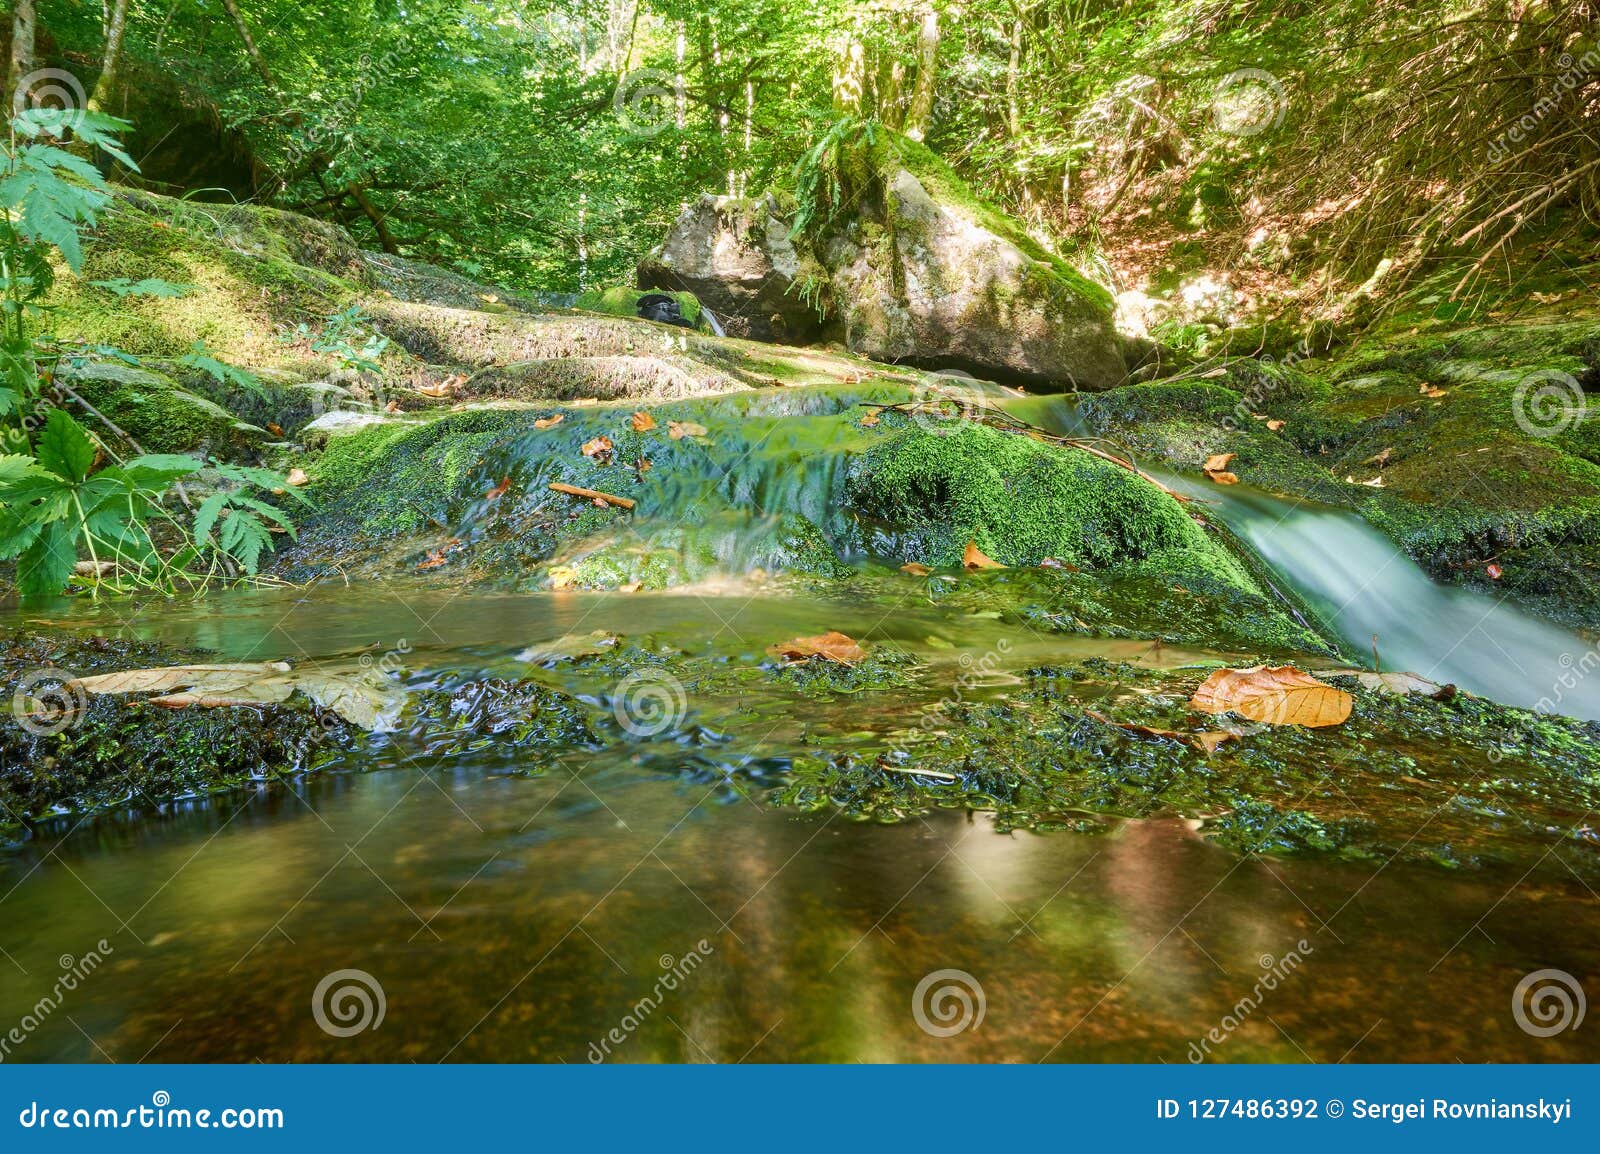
870 418
598 447
499 490
915 569
678 430
1212 740
1276 425
830 646
1217 462
643 422
1134 728
1274 695
975 558
547 422
297 477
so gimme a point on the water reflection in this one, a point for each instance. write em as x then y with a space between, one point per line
526 919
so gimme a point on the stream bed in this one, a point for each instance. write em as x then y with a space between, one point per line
537 916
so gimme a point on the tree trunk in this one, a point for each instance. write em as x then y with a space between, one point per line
921 110
850 79
232 8
22 21
1013 81
116 22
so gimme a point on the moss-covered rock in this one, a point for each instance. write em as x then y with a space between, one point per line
1467 446
152 409
1022 501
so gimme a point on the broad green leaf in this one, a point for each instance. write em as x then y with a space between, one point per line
46 565
65 448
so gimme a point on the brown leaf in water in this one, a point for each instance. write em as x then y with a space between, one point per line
170 677
916 569
597 448
975 558
1217 462
1494 571
831 646
499 490
870 418
548 422
1274 695
1134 728
1224 478
643 422
678 430
1212 740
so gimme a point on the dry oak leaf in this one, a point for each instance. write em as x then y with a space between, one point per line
297 477
599 447
831 646
678 430
547 422
643 422
1273 695
975 558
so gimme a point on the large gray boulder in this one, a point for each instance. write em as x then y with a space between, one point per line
917 271
737 259
932 281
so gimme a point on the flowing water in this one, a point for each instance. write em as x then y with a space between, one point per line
648 902
1365 590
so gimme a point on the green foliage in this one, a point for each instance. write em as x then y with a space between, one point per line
224 374
348 336
834 171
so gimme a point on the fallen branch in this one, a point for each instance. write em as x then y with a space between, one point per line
592 494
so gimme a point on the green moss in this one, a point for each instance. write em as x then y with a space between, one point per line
1022 501
159 415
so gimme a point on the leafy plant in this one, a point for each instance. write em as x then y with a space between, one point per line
349 337
829 174
199 357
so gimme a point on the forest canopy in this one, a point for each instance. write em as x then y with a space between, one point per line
549 145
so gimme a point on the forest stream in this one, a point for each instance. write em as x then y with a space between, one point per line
574 888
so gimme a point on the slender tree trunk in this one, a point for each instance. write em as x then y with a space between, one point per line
921 110
1013 81
22 24
116 23
232 8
